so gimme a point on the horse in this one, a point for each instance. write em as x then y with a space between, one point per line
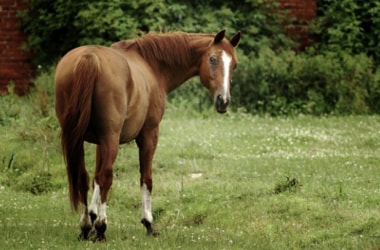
113 95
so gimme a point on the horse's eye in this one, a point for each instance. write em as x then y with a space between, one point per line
213 60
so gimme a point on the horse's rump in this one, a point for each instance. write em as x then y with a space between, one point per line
75 118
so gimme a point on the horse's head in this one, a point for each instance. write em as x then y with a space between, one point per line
218 63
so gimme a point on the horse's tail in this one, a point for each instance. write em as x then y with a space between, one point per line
75 123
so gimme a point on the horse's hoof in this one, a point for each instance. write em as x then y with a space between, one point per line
149 228
155 233
84 235
100 238
100 228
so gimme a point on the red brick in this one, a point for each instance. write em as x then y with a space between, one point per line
13 65
303 11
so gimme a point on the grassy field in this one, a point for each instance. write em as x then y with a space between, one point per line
234 181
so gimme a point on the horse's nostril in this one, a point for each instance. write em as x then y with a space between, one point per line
222 101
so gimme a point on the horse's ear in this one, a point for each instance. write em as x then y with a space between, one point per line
235 39
219 37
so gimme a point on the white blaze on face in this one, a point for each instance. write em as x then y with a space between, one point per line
226 74
146 204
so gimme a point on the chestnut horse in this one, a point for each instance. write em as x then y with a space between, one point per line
113 95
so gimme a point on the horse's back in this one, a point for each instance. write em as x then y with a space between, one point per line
109 61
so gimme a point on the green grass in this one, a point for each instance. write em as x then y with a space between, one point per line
215 183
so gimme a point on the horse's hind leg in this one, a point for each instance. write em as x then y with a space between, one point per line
84 223
106 155
93 209
89 216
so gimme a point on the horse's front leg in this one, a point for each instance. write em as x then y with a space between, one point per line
147 143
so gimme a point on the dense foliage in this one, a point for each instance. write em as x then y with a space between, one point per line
326 83
57 26
348 25
338 74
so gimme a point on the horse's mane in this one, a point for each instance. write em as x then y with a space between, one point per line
170 48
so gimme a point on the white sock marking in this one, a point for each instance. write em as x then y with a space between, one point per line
102 214
95 199
84 221
146 204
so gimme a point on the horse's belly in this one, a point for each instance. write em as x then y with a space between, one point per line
126 137
128 134
136 115
131 128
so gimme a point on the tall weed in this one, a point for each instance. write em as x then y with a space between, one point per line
28 131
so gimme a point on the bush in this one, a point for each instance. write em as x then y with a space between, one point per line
348 25
337 75
286 83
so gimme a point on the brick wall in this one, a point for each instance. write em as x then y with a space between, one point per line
301 13
14 66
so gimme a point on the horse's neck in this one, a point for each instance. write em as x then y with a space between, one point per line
170 75
177 76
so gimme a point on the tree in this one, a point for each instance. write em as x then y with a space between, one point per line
56 26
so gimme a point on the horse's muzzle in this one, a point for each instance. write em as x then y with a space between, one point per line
221 104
